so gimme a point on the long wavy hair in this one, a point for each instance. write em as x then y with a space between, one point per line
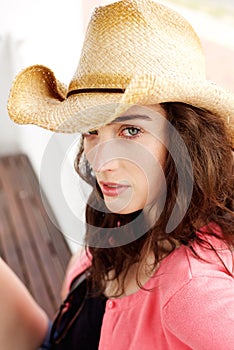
209 144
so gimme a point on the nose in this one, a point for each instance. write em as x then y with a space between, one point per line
102 158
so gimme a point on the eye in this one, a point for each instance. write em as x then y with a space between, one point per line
131 132
90 133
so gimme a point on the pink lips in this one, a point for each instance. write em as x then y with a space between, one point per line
112 189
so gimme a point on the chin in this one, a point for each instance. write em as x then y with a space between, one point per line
122 210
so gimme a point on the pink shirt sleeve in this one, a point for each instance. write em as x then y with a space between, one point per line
201 313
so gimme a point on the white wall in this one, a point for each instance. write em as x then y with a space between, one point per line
9 142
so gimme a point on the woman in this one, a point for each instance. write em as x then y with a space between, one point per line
156 148
23 322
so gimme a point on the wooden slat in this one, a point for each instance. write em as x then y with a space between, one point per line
57 239
33 247
7 244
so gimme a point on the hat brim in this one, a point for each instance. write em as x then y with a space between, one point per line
38 98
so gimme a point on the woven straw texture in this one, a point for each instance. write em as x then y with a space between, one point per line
142 47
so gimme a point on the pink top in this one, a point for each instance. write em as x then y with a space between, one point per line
190 307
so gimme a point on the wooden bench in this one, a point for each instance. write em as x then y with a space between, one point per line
29 242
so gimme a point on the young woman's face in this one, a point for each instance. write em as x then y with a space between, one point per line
127 157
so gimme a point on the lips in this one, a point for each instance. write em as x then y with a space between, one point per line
112 189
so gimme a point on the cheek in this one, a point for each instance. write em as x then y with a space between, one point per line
161 155
159 152
88 152
146 178
86 147
150 175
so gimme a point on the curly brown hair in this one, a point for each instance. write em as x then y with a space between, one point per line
209 144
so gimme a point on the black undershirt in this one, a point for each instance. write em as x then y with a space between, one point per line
84 334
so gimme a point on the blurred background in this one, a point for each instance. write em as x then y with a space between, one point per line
51 32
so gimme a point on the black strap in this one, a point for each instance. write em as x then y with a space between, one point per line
96 90
80 326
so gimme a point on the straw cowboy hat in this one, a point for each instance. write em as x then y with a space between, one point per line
135 52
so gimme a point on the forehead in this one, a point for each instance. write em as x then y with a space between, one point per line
148 113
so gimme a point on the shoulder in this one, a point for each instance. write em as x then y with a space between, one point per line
198 295
182 267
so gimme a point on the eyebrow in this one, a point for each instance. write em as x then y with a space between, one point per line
125 118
